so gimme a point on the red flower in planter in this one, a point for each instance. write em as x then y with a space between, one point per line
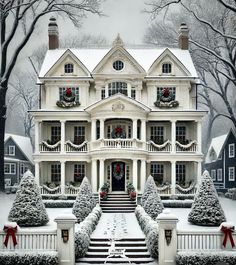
68 92
103 194
132 195
166 92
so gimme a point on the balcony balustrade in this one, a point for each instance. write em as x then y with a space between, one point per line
47 147
153 147
190 147
71 147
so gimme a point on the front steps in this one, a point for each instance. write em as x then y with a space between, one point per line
135 250
118 203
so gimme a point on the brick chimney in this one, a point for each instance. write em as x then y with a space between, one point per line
53 35
183 36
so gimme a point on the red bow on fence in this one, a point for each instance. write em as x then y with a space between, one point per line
228 233
11 232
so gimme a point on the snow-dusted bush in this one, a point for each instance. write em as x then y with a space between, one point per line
28 208
58 203
84 202
149 188
177 203
206 209
153 205
152 242
206 258
82 241
29 258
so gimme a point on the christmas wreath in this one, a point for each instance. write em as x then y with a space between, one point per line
118 132
166 99
118 171
68 99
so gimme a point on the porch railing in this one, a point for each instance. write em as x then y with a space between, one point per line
189 190
71 190
166 189
46 147
190 147
153 147
45 190
71 147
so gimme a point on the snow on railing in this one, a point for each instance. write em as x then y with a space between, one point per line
118 143
31 240
71 147
191 147
71 190
153 147
189 190
46 147
166 189
46 190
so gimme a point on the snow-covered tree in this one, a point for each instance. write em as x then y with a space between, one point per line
150 187
153 205
28 208
84 202
206 209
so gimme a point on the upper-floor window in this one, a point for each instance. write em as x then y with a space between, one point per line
166 68
103 93
117 87
231 150
157 171
213 174
79 172
157 134
79 134
23 169
231 174
133 93
180 173
181 134
74 91
118 65
11 150
55 134
56 172
171 90
69 68
10 168
219 174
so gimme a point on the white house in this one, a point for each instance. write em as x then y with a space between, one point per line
118 114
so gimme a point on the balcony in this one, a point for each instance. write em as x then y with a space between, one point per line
188 147
46 146
153 147
71 147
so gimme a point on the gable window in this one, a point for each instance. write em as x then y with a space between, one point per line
79 134
166 68
75 92
181 134
55 172
10 168
133 93
157 171
118 65
231 174
231 150
171 89
180 173
11 150
117 87
157 134
55 134
69 68
213 174
219 174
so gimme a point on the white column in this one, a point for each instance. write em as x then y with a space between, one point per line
143 174
199 136
37 176
173 177
93 130
199 172
63 177
63 131
94 175
143 130
36 124
129 90
173 135
135 128
101 172
102 128
135 173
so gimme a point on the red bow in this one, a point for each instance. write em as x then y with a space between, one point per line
228 232
118 169
11 231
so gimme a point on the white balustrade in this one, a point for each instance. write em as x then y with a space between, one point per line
191 147
50 191
45 147
71 190
153 147
82 148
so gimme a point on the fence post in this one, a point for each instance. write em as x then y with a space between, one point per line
66 239
167 238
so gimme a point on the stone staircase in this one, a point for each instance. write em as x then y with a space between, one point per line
135 251
118 203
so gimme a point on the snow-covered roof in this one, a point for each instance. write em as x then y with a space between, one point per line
144 56
23 143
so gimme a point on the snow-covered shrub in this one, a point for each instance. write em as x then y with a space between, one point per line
153 205
152 242
177 203
28 208
29 258
206 209
58 203
206 258
149 188
84 202
82 241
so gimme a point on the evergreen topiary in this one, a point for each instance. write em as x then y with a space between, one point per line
28 208
150 186
153 205
84 202
206 209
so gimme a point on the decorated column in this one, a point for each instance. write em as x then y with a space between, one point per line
143 130
63 136
63 175
102 128
101 172
135 173
173 177
173 135
143 174
37 174
94 175
135 128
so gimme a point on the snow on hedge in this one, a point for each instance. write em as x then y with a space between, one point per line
153 205
84 202
28 208
206 209
150 186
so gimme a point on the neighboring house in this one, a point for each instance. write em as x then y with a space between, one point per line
118 114
221 161
18 158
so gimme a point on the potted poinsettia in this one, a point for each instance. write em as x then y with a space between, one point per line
103 195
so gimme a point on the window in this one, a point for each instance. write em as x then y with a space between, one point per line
213 174
231 174
117 87
231 150
103 94
166 68
219 174
157 134
12 150
181 134
79 134
23 169
157 171
118 65
127 172
180 173
108 172
55 172
79 172
133 93
10 168
55 134
69 68
171 89
75 92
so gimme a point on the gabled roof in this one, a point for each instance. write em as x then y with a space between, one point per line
23 143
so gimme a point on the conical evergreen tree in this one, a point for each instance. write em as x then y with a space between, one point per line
28 208
206 209
84 202
150 187
153 205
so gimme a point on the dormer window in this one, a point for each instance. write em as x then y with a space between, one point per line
69 68
118 65
166 68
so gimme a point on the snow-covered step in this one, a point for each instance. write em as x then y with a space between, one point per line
128 248
114 260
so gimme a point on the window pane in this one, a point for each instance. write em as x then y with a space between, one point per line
117 87
157 171
166 68
56 172
79 134
69 68
79 172
157 134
